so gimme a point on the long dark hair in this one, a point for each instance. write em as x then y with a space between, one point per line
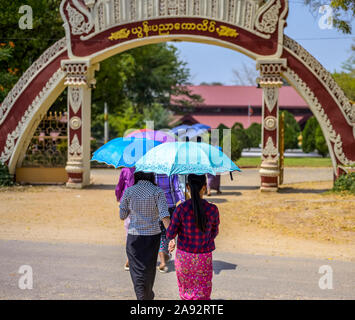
148 176
196 182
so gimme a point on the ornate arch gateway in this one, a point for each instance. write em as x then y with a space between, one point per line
98 29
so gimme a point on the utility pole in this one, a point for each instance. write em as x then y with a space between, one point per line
106 129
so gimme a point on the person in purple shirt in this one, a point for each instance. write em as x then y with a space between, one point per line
125 180
174 195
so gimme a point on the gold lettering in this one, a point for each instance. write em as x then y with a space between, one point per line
138 32
212 26
204 25
166 28
120 34
146 28
224 31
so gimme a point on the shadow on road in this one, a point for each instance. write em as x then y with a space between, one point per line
218 266
240 188
288 190
101 187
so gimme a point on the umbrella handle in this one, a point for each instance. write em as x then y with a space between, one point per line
231 175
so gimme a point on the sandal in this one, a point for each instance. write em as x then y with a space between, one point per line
126 268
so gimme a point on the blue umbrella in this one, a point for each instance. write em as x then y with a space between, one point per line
201 126
182 127
185 158
123 152
185 131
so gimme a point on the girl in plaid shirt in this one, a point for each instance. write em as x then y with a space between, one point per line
195 222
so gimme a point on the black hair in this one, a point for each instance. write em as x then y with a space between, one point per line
196 182
148 176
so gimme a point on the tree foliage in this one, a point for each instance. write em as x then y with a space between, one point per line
7 75
321 144
313 138
343 12
346 78
5 178
254 135
292 130
308 135
235 144
241 135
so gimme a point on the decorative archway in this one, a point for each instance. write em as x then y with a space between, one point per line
99 29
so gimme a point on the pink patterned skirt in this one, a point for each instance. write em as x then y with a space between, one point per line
194 275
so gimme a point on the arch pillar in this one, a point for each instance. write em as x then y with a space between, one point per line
270 81
80 81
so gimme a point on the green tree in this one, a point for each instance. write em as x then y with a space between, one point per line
158 74
30 44
160 115
241 135
5 178
308 135
313 138
343 12
143 78
292 131
235 143
7 75
346 78
220 128
254 135
321 144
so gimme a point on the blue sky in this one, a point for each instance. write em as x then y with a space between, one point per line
209 63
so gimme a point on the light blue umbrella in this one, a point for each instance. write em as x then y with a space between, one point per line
123 152
185 158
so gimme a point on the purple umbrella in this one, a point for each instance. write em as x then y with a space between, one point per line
159 136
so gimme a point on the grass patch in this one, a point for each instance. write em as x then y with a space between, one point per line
289 162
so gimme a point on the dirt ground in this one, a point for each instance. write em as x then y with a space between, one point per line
303 219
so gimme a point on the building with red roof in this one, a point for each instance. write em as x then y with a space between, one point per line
230 104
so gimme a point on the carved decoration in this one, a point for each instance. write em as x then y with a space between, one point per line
269 18
269 150
75 98
270 123
75 149
28 115
271 97
76 73
77 21
75 123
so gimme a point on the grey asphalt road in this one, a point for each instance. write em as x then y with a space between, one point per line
82 271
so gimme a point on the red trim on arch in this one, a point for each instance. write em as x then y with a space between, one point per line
26 98
329 105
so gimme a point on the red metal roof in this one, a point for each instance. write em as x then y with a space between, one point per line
242 96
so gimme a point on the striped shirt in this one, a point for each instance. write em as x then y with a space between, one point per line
145 204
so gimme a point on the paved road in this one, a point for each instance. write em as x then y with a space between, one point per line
81 271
